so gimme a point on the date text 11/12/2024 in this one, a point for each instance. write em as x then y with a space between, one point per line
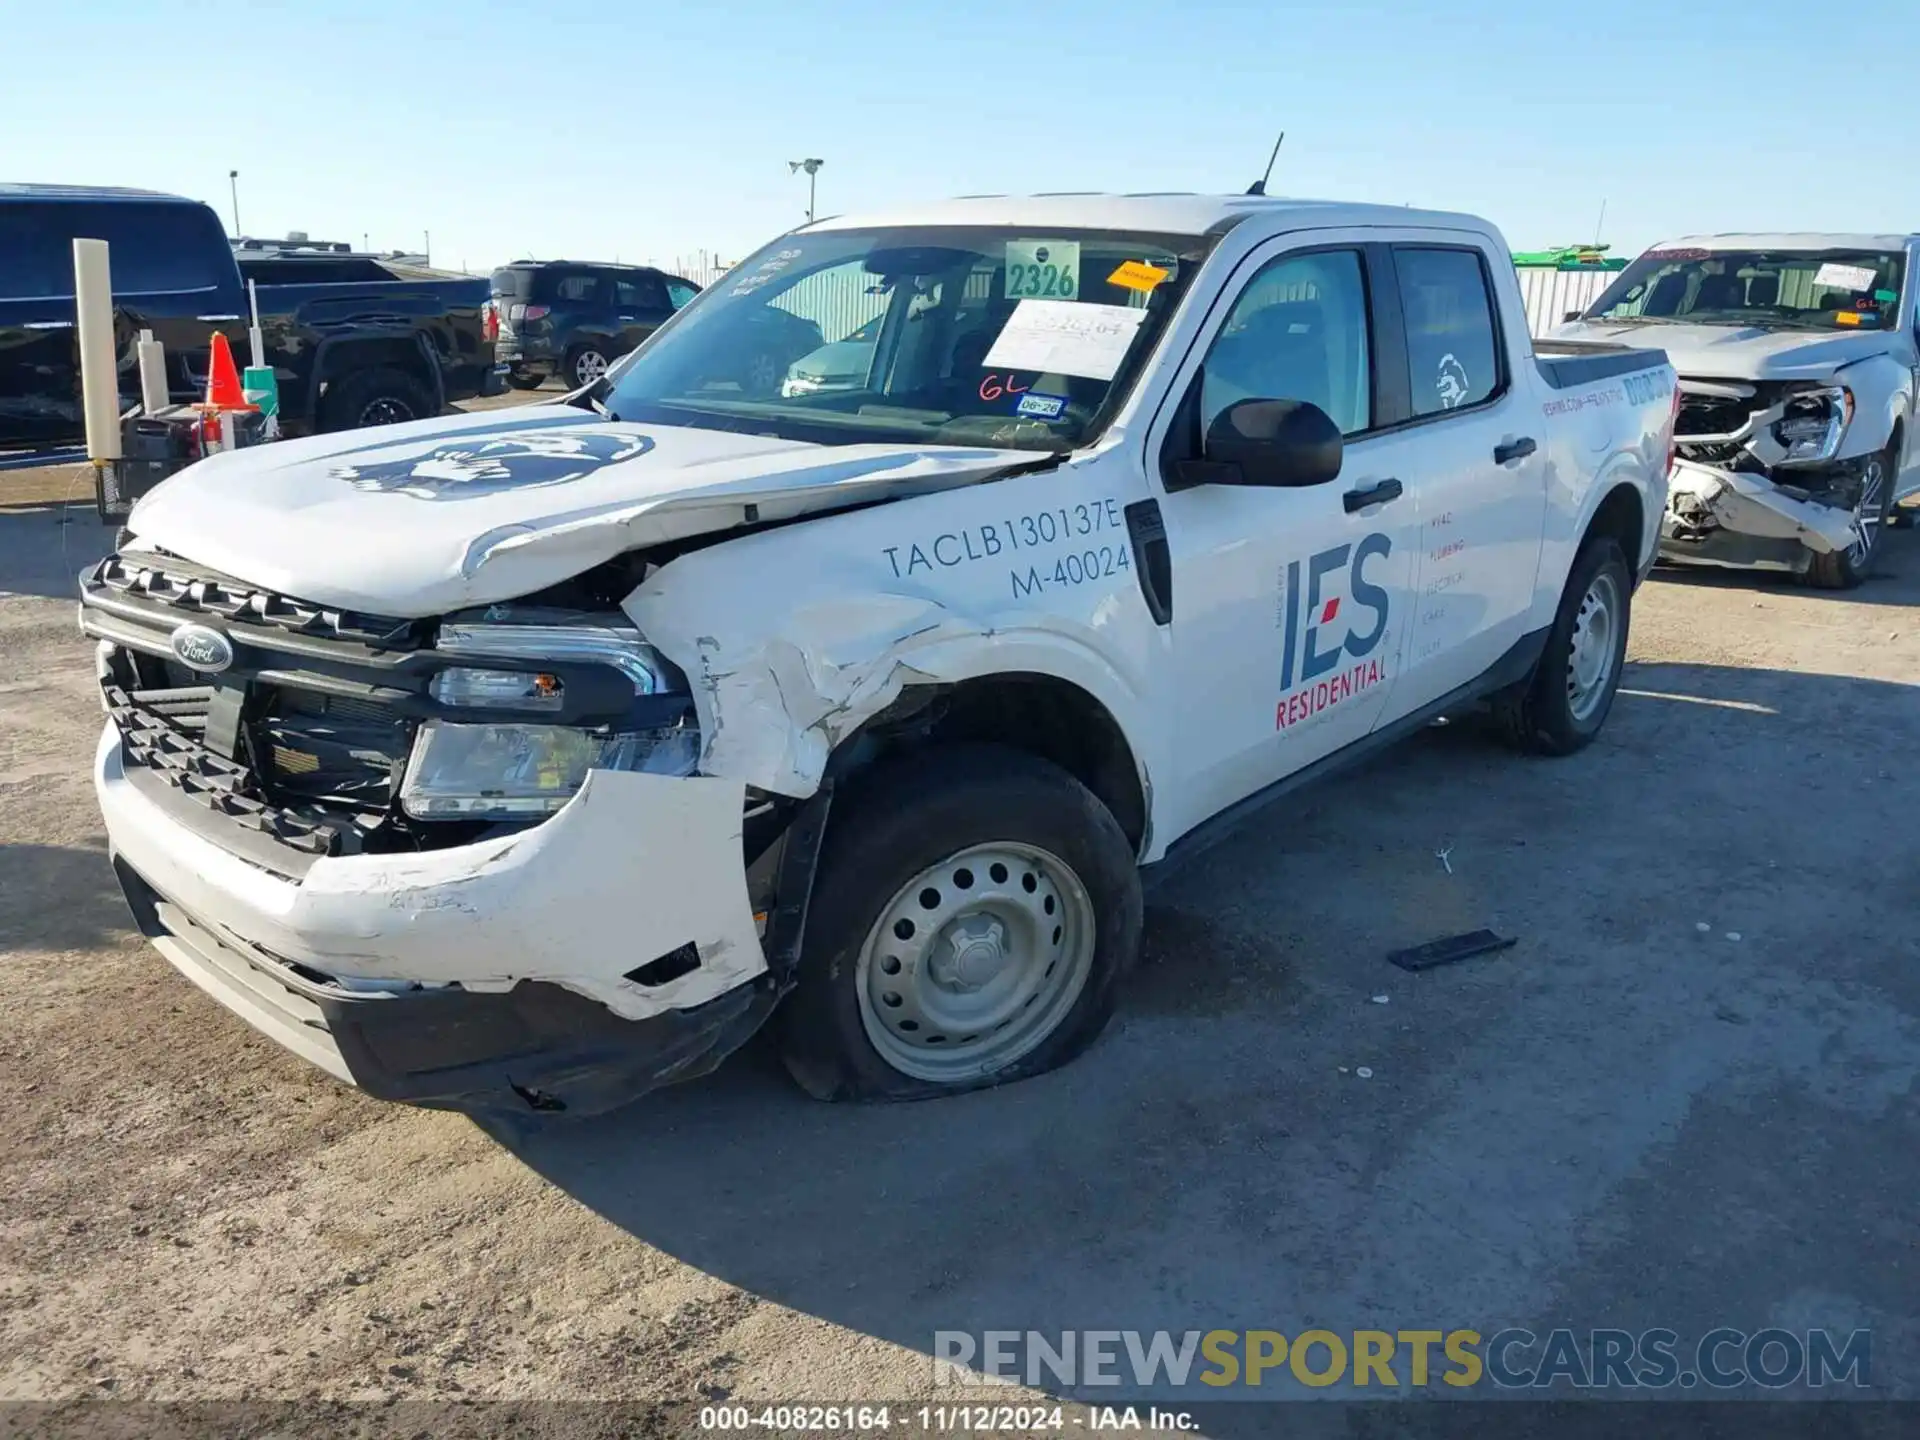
1040 530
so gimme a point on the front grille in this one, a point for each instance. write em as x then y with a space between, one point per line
272 745
1712 415
192 591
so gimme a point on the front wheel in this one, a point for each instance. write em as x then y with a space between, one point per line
973 912
1562 705
1872 512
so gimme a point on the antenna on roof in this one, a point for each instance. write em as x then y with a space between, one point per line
1259 187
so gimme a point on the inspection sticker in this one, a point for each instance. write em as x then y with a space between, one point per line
1043 269
1137 275
1043 407
1844 277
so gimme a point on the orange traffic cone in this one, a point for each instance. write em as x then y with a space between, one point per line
223 380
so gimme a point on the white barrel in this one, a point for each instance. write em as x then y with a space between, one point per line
99 377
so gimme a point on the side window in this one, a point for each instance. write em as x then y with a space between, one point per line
575 289
1453 346
680 292
642 292
1299 331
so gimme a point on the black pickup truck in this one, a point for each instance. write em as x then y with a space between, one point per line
346 353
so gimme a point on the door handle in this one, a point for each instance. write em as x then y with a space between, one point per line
1514 450
1376 494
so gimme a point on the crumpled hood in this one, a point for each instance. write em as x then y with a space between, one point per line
419 519
1739 352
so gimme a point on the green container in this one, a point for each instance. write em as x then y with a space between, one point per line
258 384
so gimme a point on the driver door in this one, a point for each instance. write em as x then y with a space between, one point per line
1289 606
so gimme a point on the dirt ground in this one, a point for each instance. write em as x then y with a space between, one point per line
1685 1098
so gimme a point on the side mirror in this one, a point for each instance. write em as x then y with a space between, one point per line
1569 317
1272 442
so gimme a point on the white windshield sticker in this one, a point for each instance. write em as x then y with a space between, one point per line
1065 337
1835 276
1043 269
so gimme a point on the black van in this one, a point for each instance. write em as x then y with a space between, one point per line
572 318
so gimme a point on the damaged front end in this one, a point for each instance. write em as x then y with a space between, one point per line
462 862
1756 481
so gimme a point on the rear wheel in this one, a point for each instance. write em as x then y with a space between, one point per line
1872 512
974 910
586 365
1562 705
382 396
521 380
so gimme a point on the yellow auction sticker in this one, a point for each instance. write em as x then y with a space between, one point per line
1137 275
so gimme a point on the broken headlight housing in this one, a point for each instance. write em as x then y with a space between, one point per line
1814 421
486 769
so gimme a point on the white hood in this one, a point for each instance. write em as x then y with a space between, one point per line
1739 352
436 515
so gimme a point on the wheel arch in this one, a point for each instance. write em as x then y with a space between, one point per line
1032 711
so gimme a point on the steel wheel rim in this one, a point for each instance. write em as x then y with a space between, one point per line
1867 513
760 372
589 366
987 950
1591 660
386 411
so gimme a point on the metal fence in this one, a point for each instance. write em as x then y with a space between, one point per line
1550 294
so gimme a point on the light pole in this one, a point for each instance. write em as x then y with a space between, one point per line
233 185
812 167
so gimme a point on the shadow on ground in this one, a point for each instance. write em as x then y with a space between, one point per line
44 547
59 897
1592 1128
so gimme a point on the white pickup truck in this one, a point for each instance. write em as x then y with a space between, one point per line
529 760
1798 377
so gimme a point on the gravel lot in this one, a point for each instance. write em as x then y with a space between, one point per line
1626 1120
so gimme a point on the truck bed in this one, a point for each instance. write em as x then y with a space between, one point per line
1565 364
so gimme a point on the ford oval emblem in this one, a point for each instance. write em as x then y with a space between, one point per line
202 647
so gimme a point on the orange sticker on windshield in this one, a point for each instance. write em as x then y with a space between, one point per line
1847 317
1137 275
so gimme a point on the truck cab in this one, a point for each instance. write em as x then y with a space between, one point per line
535 760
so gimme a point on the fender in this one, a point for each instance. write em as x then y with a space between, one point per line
1882 399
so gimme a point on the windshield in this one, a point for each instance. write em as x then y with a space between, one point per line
1809 289
946 336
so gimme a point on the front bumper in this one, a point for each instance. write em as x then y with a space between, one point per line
1734 517
472 974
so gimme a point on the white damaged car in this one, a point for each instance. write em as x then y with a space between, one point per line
530 760
1798 369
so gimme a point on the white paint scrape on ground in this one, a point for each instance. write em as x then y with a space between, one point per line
1629 1119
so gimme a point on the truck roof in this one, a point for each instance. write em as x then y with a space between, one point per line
17 191
1162 212
1787 240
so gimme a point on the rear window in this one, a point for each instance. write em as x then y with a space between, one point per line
151 248
512 284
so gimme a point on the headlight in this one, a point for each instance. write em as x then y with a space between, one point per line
1815 420
505 772
492 771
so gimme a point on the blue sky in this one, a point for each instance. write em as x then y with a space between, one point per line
657 130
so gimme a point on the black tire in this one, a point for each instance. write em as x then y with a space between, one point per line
521 380
583 357
907 816
381 396
1538 715
1845 569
